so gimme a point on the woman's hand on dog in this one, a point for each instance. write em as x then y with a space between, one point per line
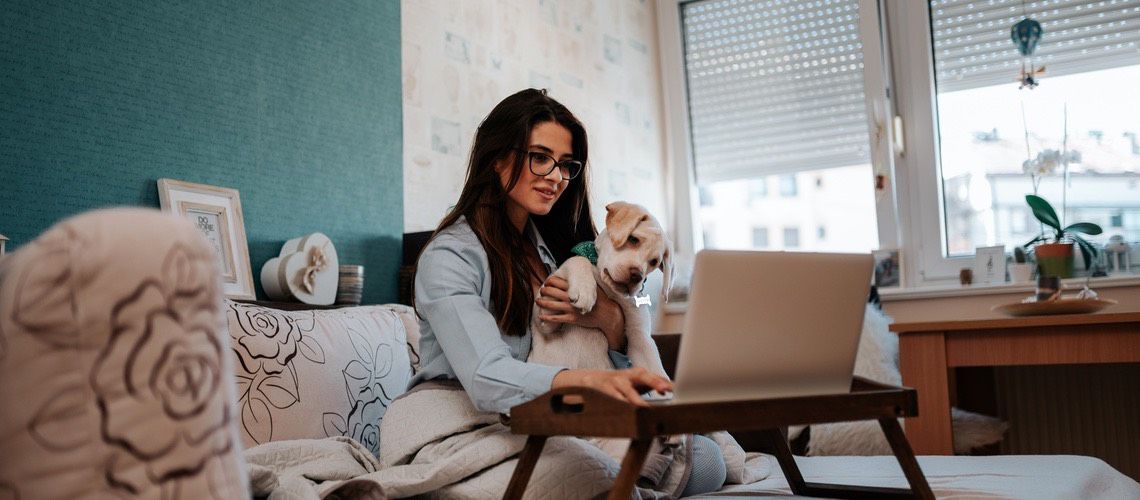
606 316
626 385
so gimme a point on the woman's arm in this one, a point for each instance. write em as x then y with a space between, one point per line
450 275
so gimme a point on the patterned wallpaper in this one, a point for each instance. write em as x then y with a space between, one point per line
598 57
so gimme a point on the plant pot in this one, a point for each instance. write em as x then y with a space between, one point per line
1055 259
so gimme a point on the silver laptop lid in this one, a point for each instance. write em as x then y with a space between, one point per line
771 324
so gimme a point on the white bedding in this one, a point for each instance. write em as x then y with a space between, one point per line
959 477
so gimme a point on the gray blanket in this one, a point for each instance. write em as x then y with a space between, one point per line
435 444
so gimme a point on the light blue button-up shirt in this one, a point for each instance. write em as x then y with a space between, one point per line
459 336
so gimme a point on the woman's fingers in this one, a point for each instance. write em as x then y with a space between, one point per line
615 393
644 378
624 385
630 394
554 305
556 283
552 293
559 318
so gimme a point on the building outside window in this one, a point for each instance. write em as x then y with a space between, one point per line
757 189
791 237
760 237
788 185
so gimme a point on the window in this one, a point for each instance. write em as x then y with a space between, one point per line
791 237
775 91
967 117
942 133
760 237
787 185
757 189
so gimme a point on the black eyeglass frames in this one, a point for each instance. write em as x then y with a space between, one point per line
542 164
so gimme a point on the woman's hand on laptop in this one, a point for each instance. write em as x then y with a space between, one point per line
625 385
606 316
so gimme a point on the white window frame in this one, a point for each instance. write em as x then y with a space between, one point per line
908 23
681 180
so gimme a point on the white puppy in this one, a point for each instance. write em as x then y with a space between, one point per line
630 247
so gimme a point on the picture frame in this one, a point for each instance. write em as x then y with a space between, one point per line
989 265
888 268
216 211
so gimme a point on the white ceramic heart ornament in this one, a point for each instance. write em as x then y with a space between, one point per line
306 270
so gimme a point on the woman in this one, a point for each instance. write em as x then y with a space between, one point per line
523 206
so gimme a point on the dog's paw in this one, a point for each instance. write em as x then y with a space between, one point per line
583 295
546 327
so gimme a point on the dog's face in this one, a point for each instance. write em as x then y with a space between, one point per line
630 247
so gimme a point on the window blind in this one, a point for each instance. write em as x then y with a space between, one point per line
775 86
972 46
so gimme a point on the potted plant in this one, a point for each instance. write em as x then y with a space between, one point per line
1053 248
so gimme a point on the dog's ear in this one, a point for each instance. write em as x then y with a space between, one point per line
667 270
621 219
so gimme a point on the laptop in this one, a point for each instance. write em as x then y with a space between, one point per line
771 324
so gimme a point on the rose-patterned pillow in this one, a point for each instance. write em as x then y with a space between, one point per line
316 373
114 376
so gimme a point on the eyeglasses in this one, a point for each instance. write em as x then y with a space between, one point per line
542 164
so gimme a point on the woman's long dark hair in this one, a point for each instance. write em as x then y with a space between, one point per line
503 133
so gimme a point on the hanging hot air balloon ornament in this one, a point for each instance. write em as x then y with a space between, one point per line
1025 34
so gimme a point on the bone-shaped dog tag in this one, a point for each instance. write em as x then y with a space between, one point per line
642 300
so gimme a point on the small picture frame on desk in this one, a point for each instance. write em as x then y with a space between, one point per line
989 265
216 212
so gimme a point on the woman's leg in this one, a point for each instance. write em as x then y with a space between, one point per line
709 470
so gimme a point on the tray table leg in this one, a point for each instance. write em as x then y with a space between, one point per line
630 469
527 460
906 459
779 445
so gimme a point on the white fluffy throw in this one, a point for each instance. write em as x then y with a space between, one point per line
878 359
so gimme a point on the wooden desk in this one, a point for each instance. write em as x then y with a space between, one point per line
928 350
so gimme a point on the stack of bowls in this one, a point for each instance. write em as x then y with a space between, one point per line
351 285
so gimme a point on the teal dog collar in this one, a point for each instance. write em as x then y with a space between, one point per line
586 249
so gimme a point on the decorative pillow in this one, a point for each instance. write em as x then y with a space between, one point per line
412 326
114 380
319 373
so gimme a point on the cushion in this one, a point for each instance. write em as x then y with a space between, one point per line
412 326
878 359
316 373
114 378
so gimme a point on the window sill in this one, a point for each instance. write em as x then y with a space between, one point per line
957 290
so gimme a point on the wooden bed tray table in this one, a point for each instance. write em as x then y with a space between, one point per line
585 412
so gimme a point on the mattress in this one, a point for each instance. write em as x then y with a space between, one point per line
959 477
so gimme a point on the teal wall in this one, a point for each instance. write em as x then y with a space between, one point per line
296 104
